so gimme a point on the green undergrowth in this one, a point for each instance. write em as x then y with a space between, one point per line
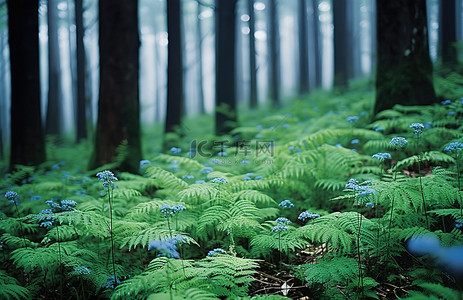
293 203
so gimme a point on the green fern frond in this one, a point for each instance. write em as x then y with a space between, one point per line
257 197
10 288
431 157
198 194
336 270
434 291
166 179
187 163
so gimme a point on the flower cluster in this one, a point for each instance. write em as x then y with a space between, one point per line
370 204
107 177
215 251
219 180
418 128
399 142
144 163
455 146
361 189
352 119
305 215
12 197
188 176
446 102
168 210
382 156
167 247
82 270
207 170
65 205
458 223
110 282
282 224
286 204
175 150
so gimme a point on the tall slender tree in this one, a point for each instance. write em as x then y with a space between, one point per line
341 46
118 106
27 138
225 79
303 48
404 71
175 103
448 32
253 100
199 41
54 111
81 115
316 45
274 53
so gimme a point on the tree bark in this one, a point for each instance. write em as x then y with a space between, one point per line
303 49
27 138
80 56
341 57
404 71
54 111
316 45
274 53
118 106
225 92
199 39
253 100
175 103
448 33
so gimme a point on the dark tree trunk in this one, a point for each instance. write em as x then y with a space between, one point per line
225 93
27 139
118 106
81 116
274 53
54 111
175 103
3 94
199 39
373 35
404 71
448 33
341 57
303 49
316 45
253 102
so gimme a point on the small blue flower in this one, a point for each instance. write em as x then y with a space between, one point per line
446 102
168 210
110 282
305 215
68 205
219 180
167 246
352 184
280 227
107 177
12 197
53 204
282 220
188 177
378 128
355 141
382 156
286 125
398 142
418 128
55 167
200 181
175 150
370 204
365 191
82 270
352 119
428 125
258 177
458 223
247 178
178 208
207 170
215 251
144 163
286 204
455 146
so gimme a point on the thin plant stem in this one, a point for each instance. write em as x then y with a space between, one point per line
168 225
421 184
20 225
60 264
111 232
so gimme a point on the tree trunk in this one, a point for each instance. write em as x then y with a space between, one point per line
253 100
27 139
175 103
199 39
303 49
341 57
225 93
404 71
81 116
274 52
118 105
54 110
448 33
316 45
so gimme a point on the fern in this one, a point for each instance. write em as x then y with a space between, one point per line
10 288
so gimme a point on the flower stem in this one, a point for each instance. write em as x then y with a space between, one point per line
111 232
60 264
20 225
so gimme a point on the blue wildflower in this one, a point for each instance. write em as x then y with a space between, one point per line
370 204
286 204
378 128
215 251
424 244
175 150
428 125
67 205
12 197
455 146
352 119
382 156
352 184
355 141
168 210
446 102
458 223
365 191
286 125
144 163
107 177
168 246
200 181
282 220
280 227
305 215
247 178
398 142
82 270
418 128
207 170
188 177
259 178
53 204
110 282
219 180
